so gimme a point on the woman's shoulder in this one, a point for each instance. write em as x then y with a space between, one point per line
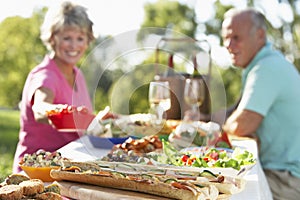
47 66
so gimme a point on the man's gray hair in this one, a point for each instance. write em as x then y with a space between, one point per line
258 19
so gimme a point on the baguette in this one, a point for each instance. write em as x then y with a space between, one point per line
171 190
231 186
170 182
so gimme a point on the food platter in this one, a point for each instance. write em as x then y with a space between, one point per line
254 179
233 163
161 181
141 125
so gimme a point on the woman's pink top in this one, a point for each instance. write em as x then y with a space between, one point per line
34 135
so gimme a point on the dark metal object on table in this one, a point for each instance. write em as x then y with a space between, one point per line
188 46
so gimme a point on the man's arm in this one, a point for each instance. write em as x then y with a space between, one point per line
243 123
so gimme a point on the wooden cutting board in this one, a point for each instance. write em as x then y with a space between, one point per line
82 191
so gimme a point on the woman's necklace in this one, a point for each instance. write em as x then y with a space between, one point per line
71 79
69 76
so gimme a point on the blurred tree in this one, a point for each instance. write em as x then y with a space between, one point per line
129 94
293 29
170 14
20 51
230 76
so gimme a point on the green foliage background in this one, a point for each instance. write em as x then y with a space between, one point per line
9 126
22 50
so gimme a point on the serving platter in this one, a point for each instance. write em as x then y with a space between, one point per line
226 171
141 124
234 162
161 181
219 160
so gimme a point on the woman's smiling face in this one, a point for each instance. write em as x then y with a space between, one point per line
70 45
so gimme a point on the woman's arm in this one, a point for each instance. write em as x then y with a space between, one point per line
42 102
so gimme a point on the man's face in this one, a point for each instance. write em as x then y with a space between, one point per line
241 40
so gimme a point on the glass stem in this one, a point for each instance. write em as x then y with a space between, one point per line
196 112
194 108
160 112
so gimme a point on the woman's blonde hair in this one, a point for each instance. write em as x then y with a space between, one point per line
68 15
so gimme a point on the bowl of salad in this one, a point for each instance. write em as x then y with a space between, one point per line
39 164
231 162
70 118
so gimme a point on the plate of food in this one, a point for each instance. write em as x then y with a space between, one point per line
70 118
134 149
141 125
39 164
161 181
233 162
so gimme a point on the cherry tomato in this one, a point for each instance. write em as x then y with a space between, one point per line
214 155
206 159
190 161
185 158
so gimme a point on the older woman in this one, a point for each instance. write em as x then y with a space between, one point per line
56 81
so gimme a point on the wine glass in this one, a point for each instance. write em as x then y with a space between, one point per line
159 99
194 94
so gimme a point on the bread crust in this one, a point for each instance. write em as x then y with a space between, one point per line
32 187
16 179
11 192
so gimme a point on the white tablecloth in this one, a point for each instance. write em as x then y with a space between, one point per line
256 188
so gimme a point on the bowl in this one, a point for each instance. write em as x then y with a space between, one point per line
42 173
74 121
106 143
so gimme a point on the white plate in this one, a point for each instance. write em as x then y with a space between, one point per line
201 150
127 124
225 171
71 130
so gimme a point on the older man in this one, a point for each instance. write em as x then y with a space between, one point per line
269 108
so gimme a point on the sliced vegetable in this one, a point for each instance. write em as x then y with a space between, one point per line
208 174
170 180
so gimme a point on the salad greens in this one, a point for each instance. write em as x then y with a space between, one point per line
208 157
